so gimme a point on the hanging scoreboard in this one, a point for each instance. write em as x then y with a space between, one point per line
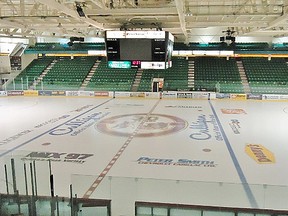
139 49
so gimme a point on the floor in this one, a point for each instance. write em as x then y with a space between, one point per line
218 152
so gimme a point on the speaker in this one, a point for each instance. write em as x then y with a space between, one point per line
80 11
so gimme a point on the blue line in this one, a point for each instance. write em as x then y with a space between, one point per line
36 137
241 175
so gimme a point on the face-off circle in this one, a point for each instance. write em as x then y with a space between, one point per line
285 110
153 125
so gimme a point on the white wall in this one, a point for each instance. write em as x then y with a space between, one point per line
280 40
27 59
5 64
247 39
8 44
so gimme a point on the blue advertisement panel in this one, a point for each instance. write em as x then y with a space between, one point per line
44 93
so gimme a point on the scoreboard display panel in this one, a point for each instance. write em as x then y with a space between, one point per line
139 49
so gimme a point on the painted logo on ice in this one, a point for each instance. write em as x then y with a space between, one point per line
260 154
146 126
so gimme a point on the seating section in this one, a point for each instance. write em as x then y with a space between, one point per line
266 76
200 46
182 46
67 73
25 79
250 46
57 47
175 78
224 46
217 74
210 74
109 79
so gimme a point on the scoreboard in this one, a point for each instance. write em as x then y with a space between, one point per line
139 49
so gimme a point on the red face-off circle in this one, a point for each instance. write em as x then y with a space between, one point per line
141 125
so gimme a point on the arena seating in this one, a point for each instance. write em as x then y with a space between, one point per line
266 76
224 46
67 73
57 47
200 46
212 71
175 78
109 79
210 74
25 79
250 46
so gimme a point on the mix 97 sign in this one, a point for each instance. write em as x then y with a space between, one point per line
58 157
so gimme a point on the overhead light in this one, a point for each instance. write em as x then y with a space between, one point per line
188 12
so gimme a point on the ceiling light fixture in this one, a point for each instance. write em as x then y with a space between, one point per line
188 12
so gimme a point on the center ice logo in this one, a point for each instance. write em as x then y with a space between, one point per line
141 125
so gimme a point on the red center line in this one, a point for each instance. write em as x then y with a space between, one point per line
98 180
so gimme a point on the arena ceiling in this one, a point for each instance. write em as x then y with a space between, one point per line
185 19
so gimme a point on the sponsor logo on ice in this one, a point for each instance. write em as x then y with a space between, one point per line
260 154
233 111
201 128
235 125
176 162
58 157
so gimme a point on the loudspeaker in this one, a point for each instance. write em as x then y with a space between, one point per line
80 11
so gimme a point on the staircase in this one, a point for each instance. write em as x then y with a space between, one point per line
89 76
43 74
243 77
191 83
137 80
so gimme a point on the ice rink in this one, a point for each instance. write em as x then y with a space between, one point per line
218 152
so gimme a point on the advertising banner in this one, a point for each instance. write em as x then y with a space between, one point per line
254 97
184 95
238 96
283 97
222 96
121 94
101 94
86 93
137 94
169 94
270 97
72 93
152 95
212 95
44 93
201 95
15 93
58 93
3 93
30 93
